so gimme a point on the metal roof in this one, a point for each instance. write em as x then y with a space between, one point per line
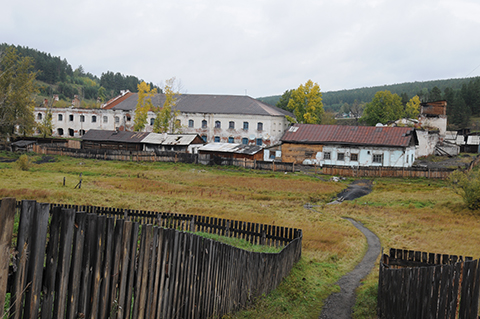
231 148
180 139
114 136
473 140
202 103
352 135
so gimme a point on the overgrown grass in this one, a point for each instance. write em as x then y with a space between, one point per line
241 243
417 214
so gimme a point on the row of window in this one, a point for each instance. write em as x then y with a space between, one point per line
377 158
231 125
217 139
191 123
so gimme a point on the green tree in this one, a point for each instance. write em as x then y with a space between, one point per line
102 94
284 99
166 117
17 89
435 94
412 108
46 126
467 185
144 104
306 103
384 107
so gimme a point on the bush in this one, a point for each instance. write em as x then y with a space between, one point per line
467 185
23 162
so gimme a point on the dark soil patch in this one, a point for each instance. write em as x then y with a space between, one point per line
355 190
7 160
45 159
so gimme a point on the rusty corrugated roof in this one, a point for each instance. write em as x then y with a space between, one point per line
351 135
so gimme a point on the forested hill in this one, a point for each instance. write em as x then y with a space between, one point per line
333 100
56 76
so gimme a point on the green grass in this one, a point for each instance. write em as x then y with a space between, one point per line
241 243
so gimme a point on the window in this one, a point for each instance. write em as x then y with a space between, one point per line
259 142
217 139
117 119
204 138
60 131
129 118
327 155
105 119
230 139
94 119
82 118
81 132
245 126
190 123
231 125
71 132
39 116
340 156
218 124
259 126
60 117
378 158
354 157
204 124
152 121
245 141
70 117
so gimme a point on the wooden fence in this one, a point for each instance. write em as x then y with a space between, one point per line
119 155
258 234
72 264
424 285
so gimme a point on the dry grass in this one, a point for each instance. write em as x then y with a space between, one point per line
410 214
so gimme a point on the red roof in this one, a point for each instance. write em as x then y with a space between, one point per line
351 135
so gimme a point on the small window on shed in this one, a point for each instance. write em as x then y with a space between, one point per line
377 158
354 157
327 155
340 156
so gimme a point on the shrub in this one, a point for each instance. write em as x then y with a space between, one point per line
23 162
467 185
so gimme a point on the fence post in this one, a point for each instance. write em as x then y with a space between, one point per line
192 224
7 216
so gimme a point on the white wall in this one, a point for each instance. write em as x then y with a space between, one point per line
392 157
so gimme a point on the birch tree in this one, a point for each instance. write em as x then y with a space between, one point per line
144 104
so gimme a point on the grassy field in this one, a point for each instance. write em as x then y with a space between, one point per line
416 214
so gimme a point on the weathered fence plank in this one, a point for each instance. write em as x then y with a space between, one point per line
7 218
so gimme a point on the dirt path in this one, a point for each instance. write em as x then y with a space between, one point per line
339 305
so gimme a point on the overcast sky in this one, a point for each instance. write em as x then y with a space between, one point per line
255 47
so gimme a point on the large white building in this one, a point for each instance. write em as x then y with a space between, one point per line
216 118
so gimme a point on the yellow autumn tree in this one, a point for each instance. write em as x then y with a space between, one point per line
166 120
412 108
306 103
144 104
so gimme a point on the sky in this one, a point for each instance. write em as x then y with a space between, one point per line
255 47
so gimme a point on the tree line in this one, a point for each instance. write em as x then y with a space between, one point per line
55 75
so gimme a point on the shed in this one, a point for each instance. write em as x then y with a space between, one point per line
113 140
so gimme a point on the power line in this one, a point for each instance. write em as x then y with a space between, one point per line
473 70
